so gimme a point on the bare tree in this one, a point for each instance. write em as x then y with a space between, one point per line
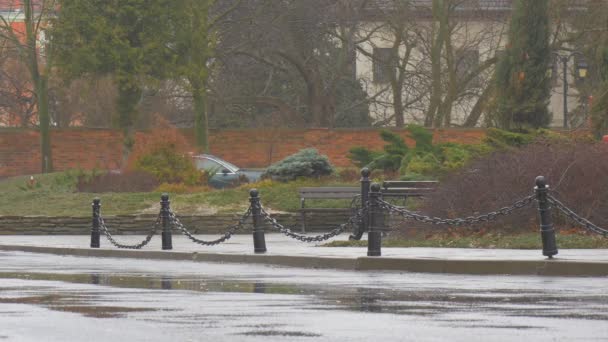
22 29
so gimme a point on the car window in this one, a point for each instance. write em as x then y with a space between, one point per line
230 165
208 164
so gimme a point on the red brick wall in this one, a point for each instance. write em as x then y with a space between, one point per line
20 151
87 149
260 148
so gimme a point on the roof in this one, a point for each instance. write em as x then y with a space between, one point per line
464 8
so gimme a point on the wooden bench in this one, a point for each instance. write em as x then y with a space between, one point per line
337 192
405 189
400 189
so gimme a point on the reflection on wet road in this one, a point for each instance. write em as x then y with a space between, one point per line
54 298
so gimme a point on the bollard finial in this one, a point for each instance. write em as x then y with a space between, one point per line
375 187
254 193
541 182
96 200
164 196
365 172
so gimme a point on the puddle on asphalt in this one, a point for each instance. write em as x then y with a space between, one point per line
279 333
407 302
72 303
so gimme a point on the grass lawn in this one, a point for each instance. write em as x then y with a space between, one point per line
55 195
528 240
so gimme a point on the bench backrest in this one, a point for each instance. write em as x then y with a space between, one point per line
389 189
409 184
336 192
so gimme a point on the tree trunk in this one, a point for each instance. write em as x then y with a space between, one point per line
201 120
479 106
322 106
129 95
398 104
439 27
41 88
40 82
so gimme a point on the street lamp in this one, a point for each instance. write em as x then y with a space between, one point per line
581 73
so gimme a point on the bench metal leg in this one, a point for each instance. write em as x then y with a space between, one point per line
303 214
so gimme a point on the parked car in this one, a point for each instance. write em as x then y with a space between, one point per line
225 174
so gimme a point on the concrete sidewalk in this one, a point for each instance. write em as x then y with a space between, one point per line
288 252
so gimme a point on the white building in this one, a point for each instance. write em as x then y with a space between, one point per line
479 34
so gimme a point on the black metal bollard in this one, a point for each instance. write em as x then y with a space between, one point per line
259 241
363 227
95 227
166 222
376 222
547 233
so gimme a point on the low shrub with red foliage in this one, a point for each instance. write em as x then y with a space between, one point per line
576 171
163 134
130 181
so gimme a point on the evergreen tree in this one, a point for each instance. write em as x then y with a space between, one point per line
523 83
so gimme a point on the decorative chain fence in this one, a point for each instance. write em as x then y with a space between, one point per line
577 218
491 216
352 221
368 208
145 241
231 230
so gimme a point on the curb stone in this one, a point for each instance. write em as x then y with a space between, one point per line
553 267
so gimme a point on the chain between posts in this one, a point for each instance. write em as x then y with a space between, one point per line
137 246
577 218
231 231
491 216
287 232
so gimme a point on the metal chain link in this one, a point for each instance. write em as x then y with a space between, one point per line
287 232
491 216
231 230
577 218
137 246
361 211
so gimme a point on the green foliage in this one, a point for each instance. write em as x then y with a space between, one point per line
169 166
499 138
422 136
349 91
361 157
306 163
128 39
521 72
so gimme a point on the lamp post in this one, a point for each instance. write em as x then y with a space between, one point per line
581 68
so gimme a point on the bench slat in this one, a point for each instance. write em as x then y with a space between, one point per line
329 195
407 191
409 184
331 189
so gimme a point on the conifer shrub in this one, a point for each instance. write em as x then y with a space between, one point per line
306 163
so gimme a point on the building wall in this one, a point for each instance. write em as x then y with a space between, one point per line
88 149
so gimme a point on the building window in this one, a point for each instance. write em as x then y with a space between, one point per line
466 63
383 65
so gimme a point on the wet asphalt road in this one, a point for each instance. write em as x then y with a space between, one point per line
55 298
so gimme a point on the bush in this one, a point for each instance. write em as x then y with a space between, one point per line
170 166
575 171
306 163
133 181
